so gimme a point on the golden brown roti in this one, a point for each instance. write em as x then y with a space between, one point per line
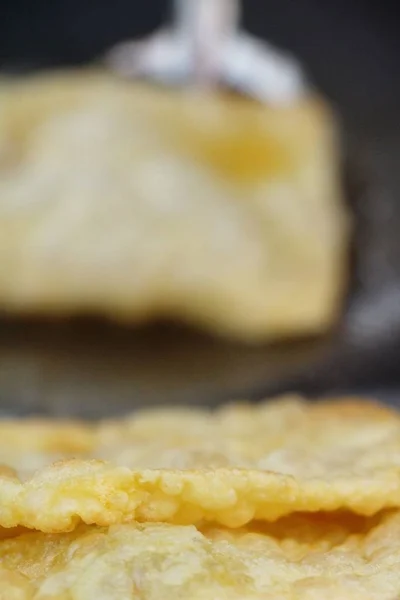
317 557
120 200
231 466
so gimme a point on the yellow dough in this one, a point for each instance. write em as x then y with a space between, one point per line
137 203
238 464
299 558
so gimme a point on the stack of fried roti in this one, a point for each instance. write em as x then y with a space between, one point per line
282 500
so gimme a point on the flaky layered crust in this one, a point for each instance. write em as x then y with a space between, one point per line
338 557
231 466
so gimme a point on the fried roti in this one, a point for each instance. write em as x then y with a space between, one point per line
299 558
239 463
126 201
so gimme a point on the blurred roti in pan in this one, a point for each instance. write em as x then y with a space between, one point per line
126 201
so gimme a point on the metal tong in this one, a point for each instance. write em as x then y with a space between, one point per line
206 47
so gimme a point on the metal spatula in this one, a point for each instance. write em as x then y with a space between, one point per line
206 47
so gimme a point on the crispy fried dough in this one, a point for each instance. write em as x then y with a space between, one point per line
299 558
237 464
122 200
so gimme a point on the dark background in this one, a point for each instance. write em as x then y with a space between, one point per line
351 50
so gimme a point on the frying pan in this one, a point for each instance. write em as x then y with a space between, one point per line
351 52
